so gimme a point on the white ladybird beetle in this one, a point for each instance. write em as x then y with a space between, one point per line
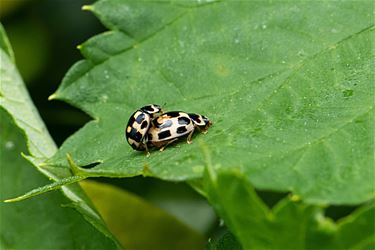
170 126
138 126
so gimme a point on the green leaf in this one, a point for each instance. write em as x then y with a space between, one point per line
5 45
290 92
226 241
290 224
133 220
43 223
15 100
47 188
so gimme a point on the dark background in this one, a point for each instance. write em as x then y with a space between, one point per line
44 35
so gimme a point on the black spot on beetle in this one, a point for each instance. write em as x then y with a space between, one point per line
151 109
148 109
195 118
140 118
172 114
144 124
138 147
183 120
166 124
138 136
132 133
135 135
164 134
131 120
181 130
134 146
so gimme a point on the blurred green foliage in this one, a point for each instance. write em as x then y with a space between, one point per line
44 35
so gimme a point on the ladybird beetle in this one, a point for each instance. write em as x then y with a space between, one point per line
170 126
138 126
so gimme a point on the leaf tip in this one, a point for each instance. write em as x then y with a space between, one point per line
73 166
295 198
146 171
79 47
88 7
52 97
20 198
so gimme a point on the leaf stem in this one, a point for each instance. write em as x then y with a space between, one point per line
47 188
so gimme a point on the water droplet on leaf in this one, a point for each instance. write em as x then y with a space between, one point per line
9 145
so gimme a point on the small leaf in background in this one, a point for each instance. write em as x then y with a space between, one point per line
289 224
290 92
44 222
137 224
176 198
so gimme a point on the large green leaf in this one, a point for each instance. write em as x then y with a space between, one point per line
287 84
15 99
43 223
290 224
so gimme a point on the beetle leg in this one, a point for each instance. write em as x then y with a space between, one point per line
189 141
202 130
147 152
144 143
162 148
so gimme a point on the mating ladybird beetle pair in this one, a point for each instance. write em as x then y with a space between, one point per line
150 126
